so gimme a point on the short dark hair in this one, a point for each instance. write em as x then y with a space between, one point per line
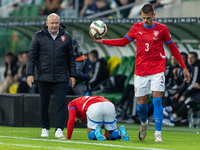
183 53
20 53
101 1
147 8
194 53
9 54
25 52
75 44
95 53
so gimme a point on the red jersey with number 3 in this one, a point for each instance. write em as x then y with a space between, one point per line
150 51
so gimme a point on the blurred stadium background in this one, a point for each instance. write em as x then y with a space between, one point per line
19 19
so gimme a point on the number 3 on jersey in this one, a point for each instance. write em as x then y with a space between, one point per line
147 47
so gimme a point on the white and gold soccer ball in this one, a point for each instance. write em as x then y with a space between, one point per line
98 28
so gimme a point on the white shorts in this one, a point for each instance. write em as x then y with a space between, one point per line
145 84
99 113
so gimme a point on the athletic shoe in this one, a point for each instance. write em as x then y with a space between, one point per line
98 134
165 112
142 132
123 133
167 121
45 133
59 133
119 109
158 138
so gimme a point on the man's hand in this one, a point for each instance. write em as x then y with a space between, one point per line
78 120
175 96
98 40
30 80
15 77
181 98
72 81
186 75
196 85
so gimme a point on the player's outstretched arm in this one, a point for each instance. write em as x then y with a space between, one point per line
175 52
71 122
114 42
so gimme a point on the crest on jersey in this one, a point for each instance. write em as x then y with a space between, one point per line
62 38
155 33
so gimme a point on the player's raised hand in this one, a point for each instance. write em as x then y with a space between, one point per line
186 75
98 40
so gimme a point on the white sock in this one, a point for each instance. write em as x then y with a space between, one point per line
173 117
157 132
144 123
169 108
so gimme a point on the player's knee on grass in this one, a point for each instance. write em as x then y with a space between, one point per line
114 135
91 135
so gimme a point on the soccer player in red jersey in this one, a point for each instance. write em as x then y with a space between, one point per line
149 65
96 110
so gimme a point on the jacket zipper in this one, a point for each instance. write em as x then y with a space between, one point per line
54 61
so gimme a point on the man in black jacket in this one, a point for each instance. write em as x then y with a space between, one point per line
52 53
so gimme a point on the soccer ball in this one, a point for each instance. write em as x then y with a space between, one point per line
98 28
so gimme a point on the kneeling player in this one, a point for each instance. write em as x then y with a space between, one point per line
96 110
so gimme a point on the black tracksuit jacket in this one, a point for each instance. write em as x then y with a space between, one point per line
54 59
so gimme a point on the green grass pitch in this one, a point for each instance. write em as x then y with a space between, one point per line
174 138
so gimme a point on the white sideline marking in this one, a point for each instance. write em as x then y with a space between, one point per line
85 143
32 146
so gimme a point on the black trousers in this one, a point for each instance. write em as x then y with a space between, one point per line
60 91
23 88
128 92
182 108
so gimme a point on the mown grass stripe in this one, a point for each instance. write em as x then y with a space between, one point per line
32 146
85 143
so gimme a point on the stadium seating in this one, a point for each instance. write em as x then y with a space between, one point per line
130 71
26 10
126 67
34 10
122 66
112 63
106 58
